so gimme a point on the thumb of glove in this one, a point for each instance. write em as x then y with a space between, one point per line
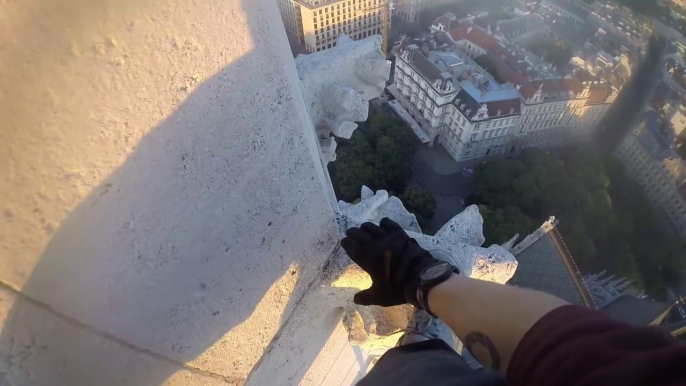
365 297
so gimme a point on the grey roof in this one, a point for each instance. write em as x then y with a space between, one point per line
422 64
541 267
630 309
470 103
506 106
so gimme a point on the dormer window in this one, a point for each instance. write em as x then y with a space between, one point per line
511 110
498 113
462 106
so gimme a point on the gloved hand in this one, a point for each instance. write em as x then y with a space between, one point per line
391 258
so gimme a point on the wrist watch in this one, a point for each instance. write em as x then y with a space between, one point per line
431 276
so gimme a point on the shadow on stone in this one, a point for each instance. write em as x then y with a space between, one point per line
192 253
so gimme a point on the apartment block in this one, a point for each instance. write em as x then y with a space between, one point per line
472 115
558 112
411 10
466 110
649 155
316 24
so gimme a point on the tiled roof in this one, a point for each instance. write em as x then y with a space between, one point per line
517 78
599 93
424 65
444 38
630 309
502 106
470 103
682 190
475 35
545 266
571 8
446 21
558 87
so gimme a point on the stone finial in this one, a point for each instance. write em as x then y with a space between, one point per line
373 207
511 242
338 83
466 227
533 237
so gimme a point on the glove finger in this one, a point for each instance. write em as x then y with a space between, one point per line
390 225
355 251
373 230
361 237
366 297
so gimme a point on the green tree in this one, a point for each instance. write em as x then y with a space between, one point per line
500 224
419 201
606 221
377 155
354 167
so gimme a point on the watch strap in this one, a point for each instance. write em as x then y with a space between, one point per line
425 286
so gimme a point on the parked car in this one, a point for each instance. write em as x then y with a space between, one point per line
469 171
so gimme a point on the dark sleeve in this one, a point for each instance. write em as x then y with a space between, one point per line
576 346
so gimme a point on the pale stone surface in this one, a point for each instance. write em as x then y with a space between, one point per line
370 327
373 207
39 348
337 83
162 181
466 227
460 238
306 348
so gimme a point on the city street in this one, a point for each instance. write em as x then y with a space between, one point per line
449 190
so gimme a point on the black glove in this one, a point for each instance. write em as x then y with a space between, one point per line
391 258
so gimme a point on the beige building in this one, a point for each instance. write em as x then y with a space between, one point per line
316 24
652 162
558 112
472 115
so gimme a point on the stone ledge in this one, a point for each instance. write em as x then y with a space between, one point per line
460 238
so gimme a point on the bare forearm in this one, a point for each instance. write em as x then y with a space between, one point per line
489 318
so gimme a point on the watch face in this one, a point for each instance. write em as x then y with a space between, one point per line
435 271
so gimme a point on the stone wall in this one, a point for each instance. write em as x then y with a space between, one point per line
165 207
163 202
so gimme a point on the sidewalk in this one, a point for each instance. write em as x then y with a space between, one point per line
439 159
444 164
418 131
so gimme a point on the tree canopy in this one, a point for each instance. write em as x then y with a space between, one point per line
379 155
605 220
556 52
419 201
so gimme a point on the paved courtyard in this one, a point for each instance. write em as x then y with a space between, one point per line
449 188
